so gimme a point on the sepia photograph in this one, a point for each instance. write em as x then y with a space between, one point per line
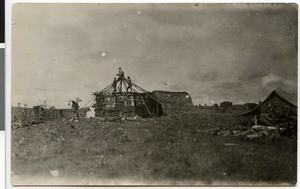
154 94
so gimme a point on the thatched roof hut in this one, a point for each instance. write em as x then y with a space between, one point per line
172 101
277 108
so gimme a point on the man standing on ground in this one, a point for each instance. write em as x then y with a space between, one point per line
75 108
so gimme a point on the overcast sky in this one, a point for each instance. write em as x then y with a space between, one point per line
215 52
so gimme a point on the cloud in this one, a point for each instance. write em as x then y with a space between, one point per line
273 81
271 78
163 83
203 75
91 85
257 75
180 86
216 52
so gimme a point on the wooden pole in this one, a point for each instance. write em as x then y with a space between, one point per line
147 108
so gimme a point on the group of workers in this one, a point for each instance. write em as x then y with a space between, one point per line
120 79
75 105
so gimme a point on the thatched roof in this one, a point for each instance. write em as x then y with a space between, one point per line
288 98
172 102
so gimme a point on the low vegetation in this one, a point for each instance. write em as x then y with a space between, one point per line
178 149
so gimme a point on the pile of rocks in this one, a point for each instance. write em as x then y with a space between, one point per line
257 131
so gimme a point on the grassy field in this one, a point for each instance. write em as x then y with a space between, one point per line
162 151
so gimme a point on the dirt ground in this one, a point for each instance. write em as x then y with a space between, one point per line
169 150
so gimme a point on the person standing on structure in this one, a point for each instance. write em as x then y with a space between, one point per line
114 85
129 84
121 76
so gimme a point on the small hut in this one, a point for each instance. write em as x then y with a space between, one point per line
173 102
279 107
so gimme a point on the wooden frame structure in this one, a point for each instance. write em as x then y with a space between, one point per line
116 100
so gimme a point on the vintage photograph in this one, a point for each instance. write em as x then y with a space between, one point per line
154 94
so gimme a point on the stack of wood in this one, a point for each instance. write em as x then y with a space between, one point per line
278 110
284 118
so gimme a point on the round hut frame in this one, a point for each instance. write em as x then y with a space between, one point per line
116 100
